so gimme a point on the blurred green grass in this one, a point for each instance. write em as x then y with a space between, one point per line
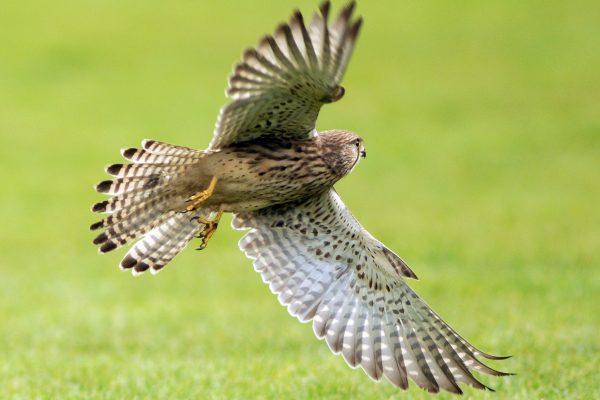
482 123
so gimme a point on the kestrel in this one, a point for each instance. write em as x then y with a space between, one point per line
269 166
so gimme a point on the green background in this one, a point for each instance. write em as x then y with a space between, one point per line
482 124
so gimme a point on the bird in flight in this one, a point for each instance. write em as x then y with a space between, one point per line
268 165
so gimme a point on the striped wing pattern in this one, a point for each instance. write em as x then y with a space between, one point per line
325 267
279 87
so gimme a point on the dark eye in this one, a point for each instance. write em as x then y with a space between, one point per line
357 142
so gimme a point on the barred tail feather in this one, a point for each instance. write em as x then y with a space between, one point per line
159 246
147 197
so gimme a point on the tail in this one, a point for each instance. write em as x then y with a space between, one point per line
147 199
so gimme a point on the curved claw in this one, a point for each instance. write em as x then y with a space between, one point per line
209 229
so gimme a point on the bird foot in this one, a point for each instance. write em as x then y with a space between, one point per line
200 197
210 227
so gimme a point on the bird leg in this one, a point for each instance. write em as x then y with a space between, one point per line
200 197
210 227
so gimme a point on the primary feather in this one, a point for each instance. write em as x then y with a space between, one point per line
324 266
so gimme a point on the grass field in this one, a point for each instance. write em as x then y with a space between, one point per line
482 124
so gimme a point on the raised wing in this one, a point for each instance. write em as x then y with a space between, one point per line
279 87
325 267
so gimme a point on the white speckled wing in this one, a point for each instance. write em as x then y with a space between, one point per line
325 267
279 87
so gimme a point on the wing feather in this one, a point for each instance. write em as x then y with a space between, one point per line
279 87
324 266
337 325
393 361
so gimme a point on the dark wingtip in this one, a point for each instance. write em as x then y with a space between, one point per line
297 16
101 238
281 28
264 41
411 274
324 8
141 267
355 29
147 143
104 186
114 169
108 246
128 153
128 262
492 357
100 207
249 52
434 388
349 9
96 225
157 267
454 389
506 373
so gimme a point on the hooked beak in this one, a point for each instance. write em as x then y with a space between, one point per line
363 153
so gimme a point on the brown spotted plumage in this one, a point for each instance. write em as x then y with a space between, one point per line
269 166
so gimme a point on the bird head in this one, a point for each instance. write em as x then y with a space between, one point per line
342 150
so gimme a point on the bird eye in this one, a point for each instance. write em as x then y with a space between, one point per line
357 142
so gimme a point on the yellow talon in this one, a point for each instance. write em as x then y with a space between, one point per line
202 196
209 230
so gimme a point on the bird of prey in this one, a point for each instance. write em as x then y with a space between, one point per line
268 165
